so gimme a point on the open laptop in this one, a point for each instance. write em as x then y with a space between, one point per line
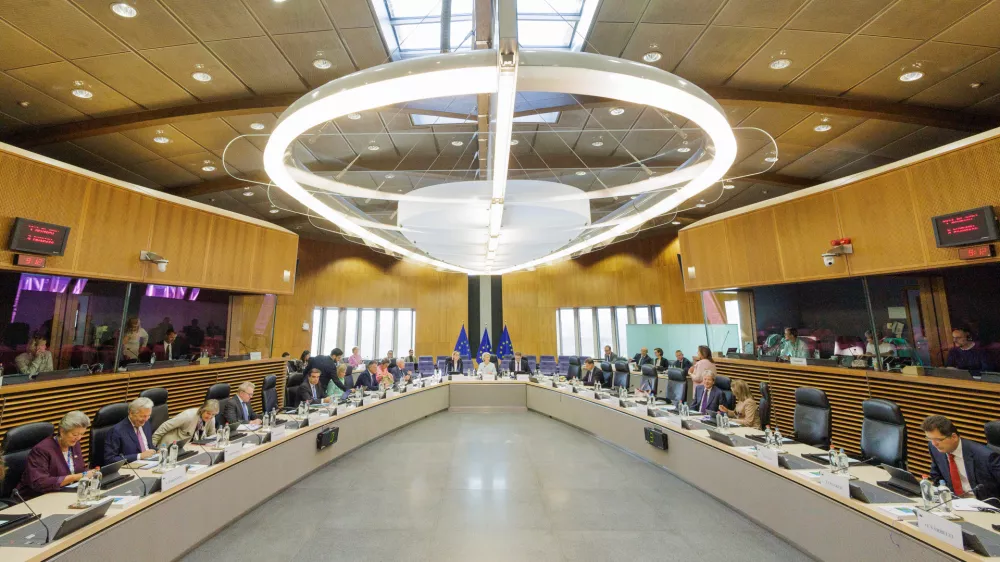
110 475
80 520
182 453
900 481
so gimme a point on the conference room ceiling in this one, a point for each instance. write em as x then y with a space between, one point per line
846 58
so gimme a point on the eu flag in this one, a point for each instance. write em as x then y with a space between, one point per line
484 346
462 345
506 346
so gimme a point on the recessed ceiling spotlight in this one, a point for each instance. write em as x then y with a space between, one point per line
81 92
390 176
780 64
274 210
201 76
652 56
208 167
684 149
700 205
354 116
514 142
581 173
911 76
771 159
374 147
322 64
597 143
160 138
124 9
616 110
457 143
23 103
257 126
727 185
675 222
975 85
248 192
824 126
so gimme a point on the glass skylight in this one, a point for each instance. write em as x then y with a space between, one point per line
422 119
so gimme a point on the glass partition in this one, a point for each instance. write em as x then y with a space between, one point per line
169 323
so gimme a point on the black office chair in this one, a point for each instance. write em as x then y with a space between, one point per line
812 418
218 391
16 446
649 371
574 360
159 398
269 394
725 385
764 408
105 419
620 374
993 435
883 433
291 390
573 372
676 385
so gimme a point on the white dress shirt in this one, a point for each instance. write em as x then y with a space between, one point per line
487 369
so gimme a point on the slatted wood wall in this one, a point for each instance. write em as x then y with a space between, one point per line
186 388
968 404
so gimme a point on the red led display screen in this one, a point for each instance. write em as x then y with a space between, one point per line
974 226
34 237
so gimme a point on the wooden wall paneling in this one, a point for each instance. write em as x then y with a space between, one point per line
275 253
889 243
117 225
706 249
230 253
181 235
805 228
753 249
242 336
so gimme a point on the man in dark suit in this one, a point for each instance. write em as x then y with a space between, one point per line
591 373
643 358
454 365
367 378
131 438
708 397
518 364
311 391
238 408
171 348
969 468
327 366
399 371
609 356
682 363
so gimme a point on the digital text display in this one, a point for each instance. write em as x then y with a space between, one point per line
34 237
974 226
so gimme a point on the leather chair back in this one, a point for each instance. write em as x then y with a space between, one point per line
606 367
547 358
16 446
574 360
883 432
218 391
573 371
676 385
620 374
547 367
105 419
269 393
764 407
291 390
159 398
813 418
726 386
993 435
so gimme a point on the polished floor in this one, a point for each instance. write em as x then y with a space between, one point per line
478 487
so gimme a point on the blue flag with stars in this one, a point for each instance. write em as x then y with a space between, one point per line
484 346
506 346
462 345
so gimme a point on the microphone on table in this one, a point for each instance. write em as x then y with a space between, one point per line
928 510
47 532
134 471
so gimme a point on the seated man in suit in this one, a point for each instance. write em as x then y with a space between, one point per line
400 372
368 379
682 363
643 358
193 423
609 357
518 364
968 468
238 408
311 391
591 373
171 348
454 365
707 397
131 438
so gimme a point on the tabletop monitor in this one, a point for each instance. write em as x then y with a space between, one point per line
973 226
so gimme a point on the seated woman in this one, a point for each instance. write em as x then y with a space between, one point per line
37 359
382 372
56 462
746 413
332 388
193 423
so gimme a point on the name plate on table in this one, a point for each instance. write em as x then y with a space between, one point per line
316 417
232 451
489 377
459 378
641 410
411 387
610 401
801 361
674 421
277 432
391 393
769 457
172 477
523 378
940 528
837 484
368 401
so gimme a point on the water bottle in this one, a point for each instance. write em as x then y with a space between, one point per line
83 488
778 439
725 422
769 439
266 421
718 420
163 456
172 460
944 498
152 358
95 486
842 462
685 410
832 458
927 492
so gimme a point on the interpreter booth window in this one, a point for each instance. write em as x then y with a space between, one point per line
585 331
174 323
728 321
374 331
51 323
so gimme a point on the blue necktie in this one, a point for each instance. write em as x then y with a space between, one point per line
246 414
314 391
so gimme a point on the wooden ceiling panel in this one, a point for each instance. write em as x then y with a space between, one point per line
956 91
855 60
241 123
937 62
302 49
9 124
737 113
213 134
180 62
242 156
365 46
194 163
117 148
136 79
17 49
57 80
681 11
673 40
720 52
179 144
860 165
152 28
819 162
787 153
327 148
290 17
41 110
621 11
981 27
990 106
804 133
644 144
608 38
837 16
919 141
350 13
753 13
803 48
774 120
215 20
60 26
919 19
870 136
165 173
259 65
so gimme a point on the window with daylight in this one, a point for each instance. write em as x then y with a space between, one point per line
375 332
585 331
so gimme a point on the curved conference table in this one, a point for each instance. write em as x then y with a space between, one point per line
165 525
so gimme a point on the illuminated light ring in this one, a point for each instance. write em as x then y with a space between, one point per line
475 72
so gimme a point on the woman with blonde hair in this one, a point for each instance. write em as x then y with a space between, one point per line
746 413
193 423
37 359
134 338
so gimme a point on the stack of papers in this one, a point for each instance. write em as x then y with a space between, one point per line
899 513
969 504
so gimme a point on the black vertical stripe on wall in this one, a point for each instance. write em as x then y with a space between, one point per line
472 328
496 310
